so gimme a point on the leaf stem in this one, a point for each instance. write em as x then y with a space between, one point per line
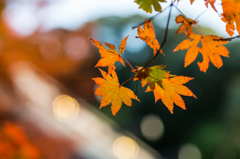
164 40
198 29
151 18
127 63
127 80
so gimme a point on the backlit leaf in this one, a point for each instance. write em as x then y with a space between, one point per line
110 56
211 50
186 24
231 15
211 2
113 92
147 34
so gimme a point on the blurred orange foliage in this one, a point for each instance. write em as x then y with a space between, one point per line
15 144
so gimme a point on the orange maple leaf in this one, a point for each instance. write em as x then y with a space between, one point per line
186 24
147 34
110 56
211 50
170 89
231 14
113 92
164 86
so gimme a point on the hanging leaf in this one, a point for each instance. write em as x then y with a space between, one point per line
186 24
211 50
231 15
113 92
147 34
110 56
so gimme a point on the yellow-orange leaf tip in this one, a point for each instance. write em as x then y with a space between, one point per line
113 92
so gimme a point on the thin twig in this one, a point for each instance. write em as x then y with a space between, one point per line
164 40
127 80
151 18
180 11
201 14
127 63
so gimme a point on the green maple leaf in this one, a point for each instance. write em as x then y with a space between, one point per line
151 75
146 5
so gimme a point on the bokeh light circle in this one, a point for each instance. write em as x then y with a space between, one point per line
125 148
152 127
65 108
189 151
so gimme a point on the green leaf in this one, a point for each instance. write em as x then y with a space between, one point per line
146 5
150 75
156 73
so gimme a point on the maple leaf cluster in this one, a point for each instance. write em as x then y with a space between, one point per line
212 47
164 86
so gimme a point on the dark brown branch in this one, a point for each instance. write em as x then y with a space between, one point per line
164 40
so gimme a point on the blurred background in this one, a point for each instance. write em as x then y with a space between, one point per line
48 109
